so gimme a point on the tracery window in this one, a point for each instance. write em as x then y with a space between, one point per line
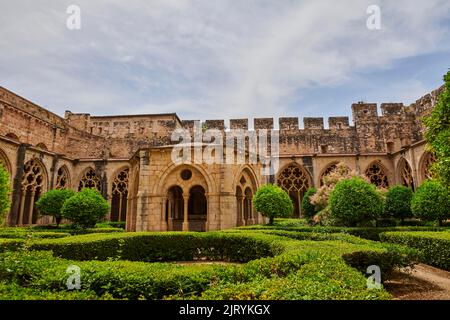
406 176
426 166
33 182
90 180
294 180
62 179
377 176
120 196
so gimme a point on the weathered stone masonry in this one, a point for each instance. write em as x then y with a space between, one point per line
128 159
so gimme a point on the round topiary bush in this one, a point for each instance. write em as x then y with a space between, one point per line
4 193
272 201
85 208
355 201
51 203
308 209
431 202
398 202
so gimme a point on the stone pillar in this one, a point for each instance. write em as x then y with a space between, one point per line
109 197
22 206
30 214
163 214
240 211
142 214
170 214
186 213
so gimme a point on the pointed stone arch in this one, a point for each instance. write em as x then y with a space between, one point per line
425 164
5 161
63 178
34 184
405 174
246 185
120 190
295 180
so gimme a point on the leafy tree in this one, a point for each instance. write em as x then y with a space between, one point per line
5 190
438 134
431 202
51 203
85 208
398 202
354 201
308 208
272 201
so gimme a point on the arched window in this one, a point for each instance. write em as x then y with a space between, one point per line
120 196
62 178
427 162
376 175
4 161
294 180
33 184
90 180
405 173
339 166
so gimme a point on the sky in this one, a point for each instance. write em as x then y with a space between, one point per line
222 59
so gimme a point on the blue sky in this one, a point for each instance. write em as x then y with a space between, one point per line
222 59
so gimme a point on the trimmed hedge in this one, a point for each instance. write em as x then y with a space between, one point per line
10 244
153 247
19 234
370 233
435 246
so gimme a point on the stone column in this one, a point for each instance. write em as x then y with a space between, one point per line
109 196
142 198
170 214
240 211
22 206
186 213
163 214
30 214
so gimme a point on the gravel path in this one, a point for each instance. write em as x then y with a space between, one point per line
424 283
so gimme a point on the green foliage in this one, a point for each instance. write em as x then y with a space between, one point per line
152 247
85 208
398 202
51 203
272 201
355 201
5 190
438 134
433 245
280 267
11 244
431 202
21 234
308 209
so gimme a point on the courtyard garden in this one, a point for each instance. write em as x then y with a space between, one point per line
351 244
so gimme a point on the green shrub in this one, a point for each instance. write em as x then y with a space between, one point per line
19 234
85 209
153 247
398 202
434 246
308 209
10 244
438 134
272 201
5 190
111 224
431 202
355 201
51 203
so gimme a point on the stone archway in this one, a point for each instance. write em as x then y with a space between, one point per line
295 180
62 178
120 196
197 209
404 173
246 185
248 206
175 209
425 165
90 179
34 182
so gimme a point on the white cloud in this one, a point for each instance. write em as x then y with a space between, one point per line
204 59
